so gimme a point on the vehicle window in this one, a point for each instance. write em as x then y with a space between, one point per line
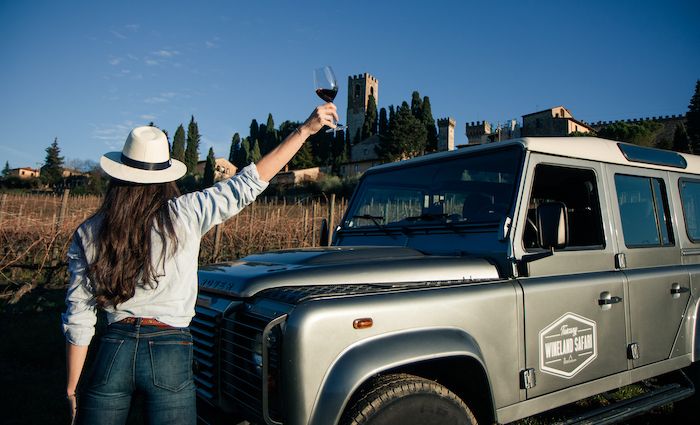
468 190
644 211
690 197
578 190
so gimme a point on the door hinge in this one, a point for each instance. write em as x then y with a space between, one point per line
633 351
620 261
527 379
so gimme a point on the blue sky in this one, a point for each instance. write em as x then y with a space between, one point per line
88 71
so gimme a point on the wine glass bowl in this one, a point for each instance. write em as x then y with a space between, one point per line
326 86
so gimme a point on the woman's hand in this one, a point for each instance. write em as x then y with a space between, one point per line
323 115
72 407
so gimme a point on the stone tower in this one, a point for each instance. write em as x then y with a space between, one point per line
477 133
359 88
446 134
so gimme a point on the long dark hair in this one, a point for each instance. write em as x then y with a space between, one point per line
128 215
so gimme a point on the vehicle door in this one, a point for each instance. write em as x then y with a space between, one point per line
574 315
650 258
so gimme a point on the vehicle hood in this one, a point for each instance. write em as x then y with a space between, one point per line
380 266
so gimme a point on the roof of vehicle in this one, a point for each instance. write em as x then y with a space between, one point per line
589 148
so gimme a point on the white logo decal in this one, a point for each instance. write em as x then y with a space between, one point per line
568 345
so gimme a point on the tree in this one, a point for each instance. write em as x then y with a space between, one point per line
235 146
254 130
179 144
52 171
192 151
269 135
693 120
642 133
304 158
416 105
255 153
680 140
406 136
209 169
383 122
6 170
369 126
431 141
243 154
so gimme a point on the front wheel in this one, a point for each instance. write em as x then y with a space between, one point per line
408 400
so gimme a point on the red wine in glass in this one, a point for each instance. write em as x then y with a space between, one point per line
327 94
326 87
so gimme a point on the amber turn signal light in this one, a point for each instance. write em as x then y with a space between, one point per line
363 323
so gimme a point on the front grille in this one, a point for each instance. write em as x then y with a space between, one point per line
204 328
241 363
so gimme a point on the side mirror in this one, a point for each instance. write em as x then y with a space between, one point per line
324 233
553 225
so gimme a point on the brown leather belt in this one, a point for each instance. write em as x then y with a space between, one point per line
145 321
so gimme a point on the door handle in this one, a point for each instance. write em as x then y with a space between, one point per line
677 289
608 301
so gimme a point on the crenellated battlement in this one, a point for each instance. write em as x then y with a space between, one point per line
639 120
444 122
360 77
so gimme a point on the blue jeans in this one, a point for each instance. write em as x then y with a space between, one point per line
150 362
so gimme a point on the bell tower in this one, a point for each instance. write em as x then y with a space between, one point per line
360 87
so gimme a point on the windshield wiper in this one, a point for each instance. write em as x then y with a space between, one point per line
426 217
375 219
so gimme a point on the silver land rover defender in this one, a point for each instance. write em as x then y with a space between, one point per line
482 285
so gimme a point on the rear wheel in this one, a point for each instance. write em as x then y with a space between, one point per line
408 400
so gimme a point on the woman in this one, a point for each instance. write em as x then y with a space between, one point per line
136 258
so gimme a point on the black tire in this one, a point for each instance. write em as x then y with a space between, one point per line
404 399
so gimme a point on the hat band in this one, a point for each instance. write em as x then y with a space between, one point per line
150 166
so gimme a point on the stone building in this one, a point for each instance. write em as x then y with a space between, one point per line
446 134
295 177
363 156
552 122
481 132
360 87
25 173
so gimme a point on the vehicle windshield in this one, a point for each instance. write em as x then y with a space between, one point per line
468 189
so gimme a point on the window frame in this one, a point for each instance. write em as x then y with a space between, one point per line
657 220
682 199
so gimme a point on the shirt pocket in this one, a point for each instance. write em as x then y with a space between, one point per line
171 361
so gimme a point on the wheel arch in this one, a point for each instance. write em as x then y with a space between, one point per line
429 353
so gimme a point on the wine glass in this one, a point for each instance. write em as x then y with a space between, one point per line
326 88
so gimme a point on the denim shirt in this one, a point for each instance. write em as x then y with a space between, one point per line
172 301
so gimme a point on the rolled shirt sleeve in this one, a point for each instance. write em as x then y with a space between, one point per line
78 322
214 205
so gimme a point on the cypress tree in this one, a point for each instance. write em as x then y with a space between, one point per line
255 153
369 127
243 157
383 122
235 146
416 105
303 159
680 140
6 170
192 151
209 168
178 151
693 120
431 141
254 130
52 171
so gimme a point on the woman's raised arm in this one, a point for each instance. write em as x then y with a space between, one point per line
272 163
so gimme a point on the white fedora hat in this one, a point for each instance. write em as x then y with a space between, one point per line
145 158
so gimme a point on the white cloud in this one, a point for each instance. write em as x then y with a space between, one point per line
132 27
164 53
151 62
115 61
118 34
148 117
161 98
